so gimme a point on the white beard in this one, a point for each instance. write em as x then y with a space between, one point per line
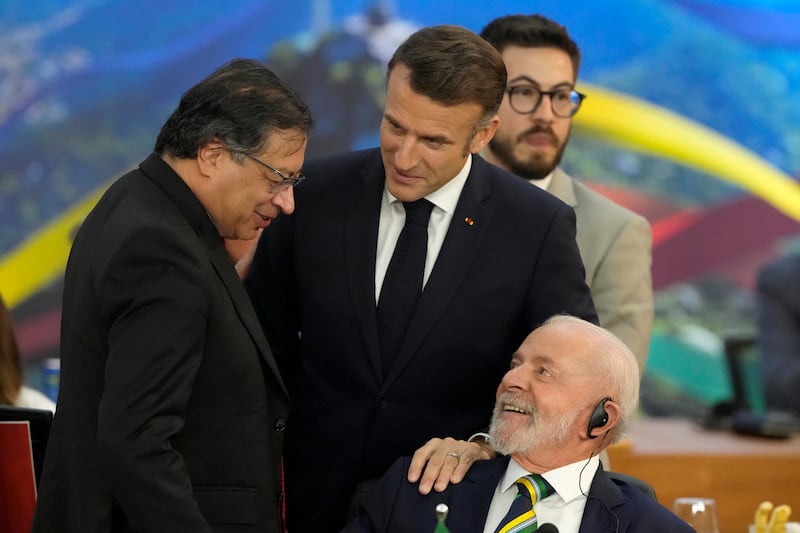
511 437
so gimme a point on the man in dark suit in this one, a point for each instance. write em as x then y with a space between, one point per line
171 407
571 390
366 386
779 332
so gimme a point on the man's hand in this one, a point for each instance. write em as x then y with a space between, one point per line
445 461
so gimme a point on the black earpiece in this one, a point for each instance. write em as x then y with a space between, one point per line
599 417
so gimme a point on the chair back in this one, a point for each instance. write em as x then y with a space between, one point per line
23 440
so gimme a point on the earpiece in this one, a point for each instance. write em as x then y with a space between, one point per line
599 417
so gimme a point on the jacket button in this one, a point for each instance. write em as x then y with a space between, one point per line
280 424
382 402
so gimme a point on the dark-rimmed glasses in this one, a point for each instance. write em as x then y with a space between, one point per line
286 181
525 99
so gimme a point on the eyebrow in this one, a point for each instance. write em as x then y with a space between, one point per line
527 79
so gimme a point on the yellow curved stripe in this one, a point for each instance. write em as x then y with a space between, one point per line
42 257
639 126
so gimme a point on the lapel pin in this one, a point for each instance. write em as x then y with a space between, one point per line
469 221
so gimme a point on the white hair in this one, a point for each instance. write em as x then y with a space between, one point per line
614 363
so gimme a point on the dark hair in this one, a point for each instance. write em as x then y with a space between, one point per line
240 104
531 31
452 65
10 360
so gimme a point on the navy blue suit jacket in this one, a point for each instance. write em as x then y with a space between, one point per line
313 285
395 506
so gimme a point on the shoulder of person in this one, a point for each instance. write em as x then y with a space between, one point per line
647 514
595 201
33 399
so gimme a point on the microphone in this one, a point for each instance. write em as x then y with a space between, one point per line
547 528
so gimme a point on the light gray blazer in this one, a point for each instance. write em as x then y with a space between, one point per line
616 248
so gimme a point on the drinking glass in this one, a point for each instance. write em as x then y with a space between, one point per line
700 513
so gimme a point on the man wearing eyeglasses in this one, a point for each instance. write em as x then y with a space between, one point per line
378 360
172 410
535 119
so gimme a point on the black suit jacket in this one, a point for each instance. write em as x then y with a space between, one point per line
171 406
313 284
395 506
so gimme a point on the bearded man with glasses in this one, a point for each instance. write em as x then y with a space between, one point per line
536 114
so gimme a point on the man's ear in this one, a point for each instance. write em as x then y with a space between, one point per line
209 156
484 135
613 412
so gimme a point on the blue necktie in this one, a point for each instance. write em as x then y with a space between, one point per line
403 282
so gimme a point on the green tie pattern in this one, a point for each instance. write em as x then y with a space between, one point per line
521 517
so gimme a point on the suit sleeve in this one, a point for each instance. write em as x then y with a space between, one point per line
151 295
374 510
622 288
559 284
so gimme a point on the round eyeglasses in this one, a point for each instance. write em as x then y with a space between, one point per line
526 99
285 181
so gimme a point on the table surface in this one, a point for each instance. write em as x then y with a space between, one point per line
679 458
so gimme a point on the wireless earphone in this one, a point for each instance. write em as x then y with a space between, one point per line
599 417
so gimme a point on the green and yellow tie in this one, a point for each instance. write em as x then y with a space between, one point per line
521 517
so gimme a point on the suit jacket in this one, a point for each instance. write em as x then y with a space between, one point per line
779 332
494 281
171 407
616 249
395 506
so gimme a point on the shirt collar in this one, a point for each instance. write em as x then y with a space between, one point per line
563 479
543 183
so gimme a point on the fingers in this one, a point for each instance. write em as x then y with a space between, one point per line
420 458
443 461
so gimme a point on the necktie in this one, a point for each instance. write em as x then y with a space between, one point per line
520 517
402 284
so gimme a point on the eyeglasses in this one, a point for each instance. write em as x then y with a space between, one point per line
526 99
285 183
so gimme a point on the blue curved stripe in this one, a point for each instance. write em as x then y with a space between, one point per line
220 37
760 25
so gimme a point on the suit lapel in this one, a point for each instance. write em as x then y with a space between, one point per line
361 236
470 500
244 308
562 188
599 515
191 208
459 248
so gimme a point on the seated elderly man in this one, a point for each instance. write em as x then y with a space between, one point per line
571 390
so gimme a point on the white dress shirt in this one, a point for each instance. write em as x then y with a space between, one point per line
543 183
564 509
393 218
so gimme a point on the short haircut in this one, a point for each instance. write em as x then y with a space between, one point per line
614 364
452 65
531 31
240 104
